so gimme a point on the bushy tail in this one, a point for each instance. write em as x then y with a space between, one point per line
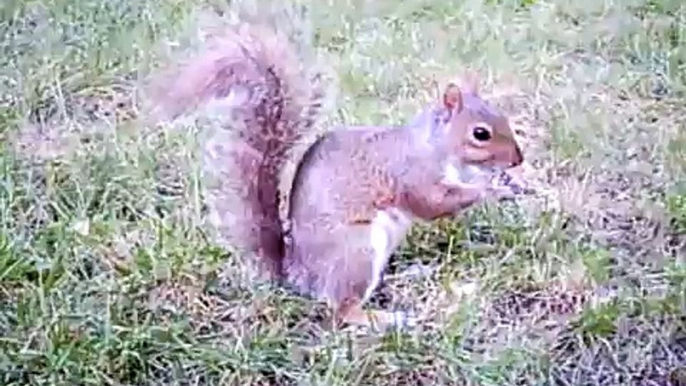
250 79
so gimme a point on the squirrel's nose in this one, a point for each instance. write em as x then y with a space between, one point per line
517 157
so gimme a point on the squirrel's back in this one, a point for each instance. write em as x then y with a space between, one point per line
251 80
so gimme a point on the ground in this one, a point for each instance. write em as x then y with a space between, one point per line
108 274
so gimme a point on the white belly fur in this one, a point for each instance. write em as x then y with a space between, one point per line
463 175
388 229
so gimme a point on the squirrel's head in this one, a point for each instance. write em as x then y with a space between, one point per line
474 132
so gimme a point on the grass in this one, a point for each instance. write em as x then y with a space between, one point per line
108 274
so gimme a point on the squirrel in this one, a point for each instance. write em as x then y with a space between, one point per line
356 191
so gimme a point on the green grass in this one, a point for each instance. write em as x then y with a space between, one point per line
108 274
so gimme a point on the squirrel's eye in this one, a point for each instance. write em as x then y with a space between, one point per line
482 134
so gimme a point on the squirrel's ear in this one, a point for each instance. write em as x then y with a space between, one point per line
452 98
470 83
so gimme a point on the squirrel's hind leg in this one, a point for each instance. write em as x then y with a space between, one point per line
385 232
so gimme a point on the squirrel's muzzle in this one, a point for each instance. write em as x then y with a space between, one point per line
517 157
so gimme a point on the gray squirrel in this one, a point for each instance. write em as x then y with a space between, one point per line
355 193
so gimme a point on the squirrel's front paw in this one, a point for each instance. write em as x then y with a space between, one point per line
501 192
505 186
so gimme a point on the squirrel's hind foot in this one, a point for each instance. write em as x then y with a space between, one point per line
375 319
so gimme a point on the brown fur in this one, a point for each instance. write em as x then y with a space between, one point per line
344 182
